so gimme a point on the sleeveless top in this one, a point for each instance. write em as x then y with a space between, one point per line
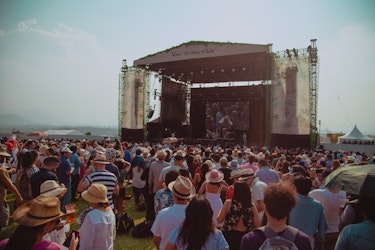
236 211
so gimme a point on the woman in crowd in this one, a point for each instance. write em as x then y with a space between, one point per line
212 188
239 215
197 231
99 225
36 218
28 168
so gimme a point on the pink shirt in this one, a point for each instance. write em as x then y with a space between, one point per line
43 245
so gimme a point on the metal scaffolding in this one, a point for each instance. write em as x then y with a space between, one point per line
314 78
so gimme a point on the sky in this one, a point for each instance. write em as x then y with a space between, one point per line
60 60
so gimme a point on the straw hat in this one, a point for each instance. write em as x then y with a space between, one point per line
246 174
210 164
3 150
38 211
50 188
235 173
97 193
100 159
214 176
182 188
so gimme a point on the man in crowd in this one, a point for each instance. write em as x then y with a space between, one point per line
64 173
46 172
170 217
279 201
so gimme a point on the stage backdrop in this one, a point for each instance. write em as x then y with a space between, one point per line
290 96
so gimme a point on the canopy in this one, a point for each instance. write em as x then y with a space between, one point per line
355 137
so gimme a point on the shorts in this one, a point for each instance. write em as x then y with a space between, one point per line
4 215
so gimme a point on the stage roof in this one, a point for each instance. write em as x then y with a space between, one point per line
209 62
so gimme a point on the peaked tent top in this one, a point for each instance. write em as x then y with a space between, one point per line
356 135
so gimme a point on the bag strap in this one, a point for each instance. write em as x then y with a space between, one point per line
290 232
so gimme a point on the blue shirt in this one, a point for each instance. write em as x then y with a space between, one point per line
357 236
308 216
214 241
76 163
267 175
61 171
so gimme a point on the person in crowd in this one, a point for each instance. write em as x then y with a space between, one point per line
265 173
239 215
212 188
352 212
6 183
164 197
98 230
123 167
50 188
224 168
308 215
111 156
234 175
170 217
64 172
28 168
256 187
200 175
279 201
46 172
36 219
138 166
102 176
250 162
76 163
154 173
333 201
360 235
197 230
178 163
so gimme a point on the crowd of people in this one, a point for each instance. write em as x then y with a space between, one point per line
194 196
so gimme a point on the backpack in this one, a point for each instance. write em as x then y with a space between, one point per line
274 241
143 230
123 223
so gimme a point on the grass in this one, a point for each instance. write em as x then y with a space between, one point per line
122 241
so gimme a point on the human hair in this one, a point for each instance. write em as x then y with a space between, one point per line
120 163
198 225
242 194
171 176
24 237
303 184
368 207
279 200
49 161
29 158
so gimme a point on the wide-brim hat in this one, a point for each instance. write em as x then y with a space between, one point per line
96 193
210 164
214 176
38 211
246 174
235 173
182 188
50 188
100 159
3 150
66 149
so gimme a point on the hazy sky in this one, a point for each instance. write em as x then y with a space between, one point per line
60 60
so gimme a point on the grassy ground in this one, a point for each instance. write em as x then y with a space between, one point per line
122 241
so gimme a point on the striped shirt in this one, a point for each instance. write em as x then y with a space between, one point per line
106 178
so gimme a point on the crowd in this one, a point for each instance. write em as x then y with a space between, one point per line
195 196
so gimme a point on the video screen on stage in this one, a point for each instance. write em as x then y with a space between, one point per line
225 118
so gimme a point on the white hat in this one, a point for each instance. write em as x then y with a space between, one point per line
66 150
214 176
246 174
50 188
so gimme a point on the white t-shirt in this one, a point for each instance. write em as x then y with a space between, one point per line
332 204
166 220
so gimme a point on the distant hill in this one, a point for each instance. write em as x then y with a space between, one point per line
14 120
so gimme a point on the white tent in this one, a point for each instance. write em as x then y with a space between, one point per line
355 137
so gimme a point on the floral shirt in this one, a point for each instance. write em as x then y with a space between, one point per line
163 198
236 211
